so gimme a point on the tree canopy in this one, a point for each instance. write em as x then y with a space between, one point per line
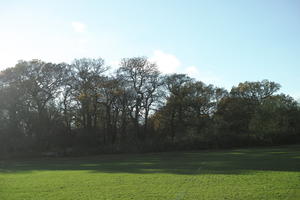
80 106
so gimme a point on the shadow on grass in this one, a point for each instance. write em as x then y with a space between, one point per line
206 162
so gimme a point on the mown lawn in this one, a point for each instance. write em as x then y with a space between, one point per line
261 173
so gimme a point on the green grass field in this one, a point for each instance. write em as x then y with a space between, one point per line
261 173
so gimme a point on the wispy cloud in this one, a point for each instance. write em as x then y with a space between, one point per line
167 63
202 75
79 27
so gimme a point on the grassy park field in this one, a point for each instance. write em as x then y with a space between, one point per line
256 173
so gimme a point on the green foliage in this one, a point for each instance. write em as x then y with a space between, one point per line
255 90
274 120
53 107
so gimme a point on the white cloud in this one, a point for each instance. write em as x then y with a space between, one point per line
192 71
202 75
79 27
167 63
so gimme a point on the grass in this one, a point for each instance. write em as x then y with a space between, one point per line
261 173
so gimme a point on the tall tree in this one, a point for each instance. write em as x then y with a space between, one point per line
88 79
142 82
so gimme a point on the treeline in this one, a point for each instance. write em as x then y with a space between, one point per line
82 108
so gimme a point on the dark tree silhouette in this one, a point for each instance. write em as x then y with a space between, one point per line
80 108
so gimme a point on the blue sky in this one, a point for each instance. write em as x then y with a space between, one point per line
219 42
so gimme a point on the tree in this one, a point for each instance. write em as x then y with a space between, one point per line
274 121
88 80
176 90
33 85
255 91
49 107
236 111
141 80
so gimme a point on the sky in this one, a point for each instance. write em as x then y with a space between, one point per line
218 42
